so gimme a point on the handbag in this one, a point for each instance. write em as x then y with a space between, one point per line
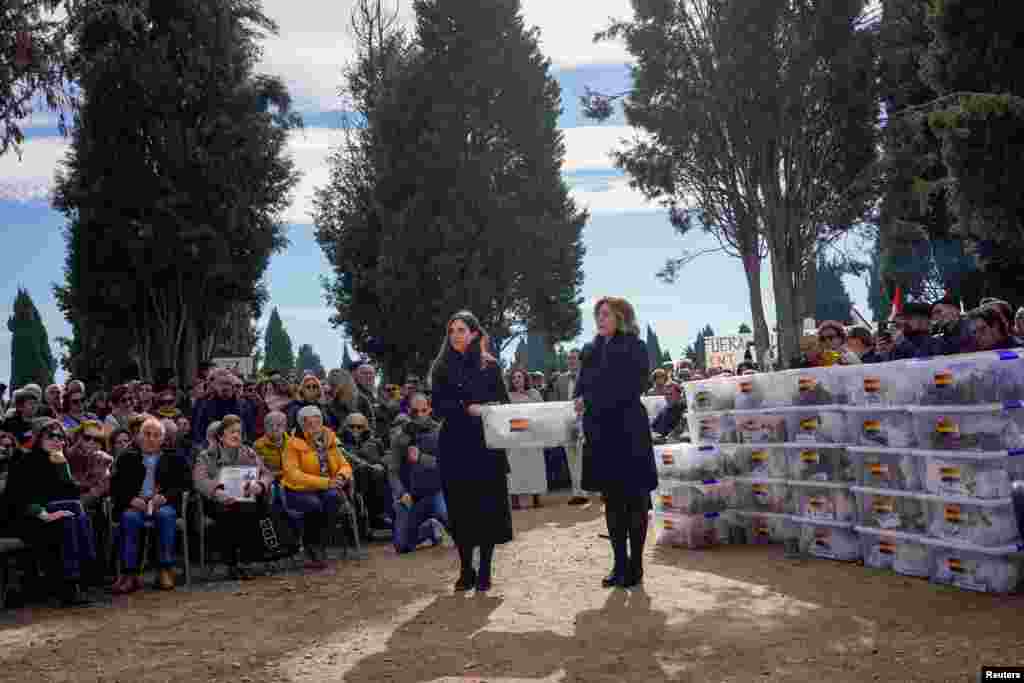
275 538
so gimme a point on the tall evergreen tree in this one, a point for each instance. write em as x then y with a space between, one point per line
879 302
31 357
832 299
278 353
176 177
744 329
700 351
451 196
653 349
308 360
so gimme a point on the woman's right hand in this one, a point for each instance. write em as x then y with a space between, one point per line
579 406
138 504
474 410
54 516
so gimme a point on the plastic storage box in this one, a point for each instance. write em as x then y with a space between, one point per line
686 531
764 495
887 509
886 427
815 424
990 427
712 427
765 527
988 523
901 552
765 461
653 405
971 567
888 468
824 500
712 395
817 462
968 379
976 475
689 462
831 540
690 498
529 425
759 426
816 387
881 384
750 392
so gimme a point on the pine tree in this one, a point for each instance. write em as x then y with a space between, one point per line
31 357
653 349
307 360
279 355
744 329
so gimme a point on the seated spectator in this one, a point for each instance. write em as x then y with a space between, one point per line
99 405
279 395
73 412
860 341
121 407
20 425
147 486
223 402
369 460
7 452
915 327
271 446
258 405
833 351
166 405
90 464
990 329
315 476
211 437
54 402
45 511
421 513
311 393
885 344
144 397
121 440
669 420
409 389
345 400
235 518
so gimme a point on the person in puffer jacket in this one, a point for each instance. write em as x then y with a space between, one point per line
421 513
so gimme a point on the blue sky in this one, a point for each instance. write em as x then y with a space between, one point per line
627 239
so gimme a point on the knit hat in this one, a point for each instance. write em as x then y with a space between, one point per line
36 390
41 424
309 411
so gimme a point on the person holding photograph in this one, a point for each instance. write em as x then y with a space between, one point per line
235 517
620 458
464 378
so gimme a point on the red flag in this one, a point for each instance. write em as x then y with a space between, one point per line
897 303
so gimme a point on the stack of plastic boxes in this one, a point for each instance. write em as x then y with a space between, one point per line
937 446
691 497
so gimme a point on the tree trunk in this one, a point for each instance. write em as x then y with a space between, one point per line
752 268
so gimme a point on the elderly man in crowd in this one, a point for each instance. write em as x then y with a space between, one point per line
369 462
315 476
54 395
20 424
365 375
221 404
421 514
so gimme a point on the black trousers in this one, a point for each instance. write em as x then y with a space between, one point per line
375 489
626 516
236 529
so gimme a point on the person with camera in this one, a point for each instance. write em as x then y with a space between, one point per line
420 511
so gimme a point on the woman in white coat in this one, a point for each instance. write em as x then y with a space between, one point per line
529 472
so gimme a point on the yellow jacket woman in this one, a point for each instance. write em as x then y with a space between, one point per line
310 463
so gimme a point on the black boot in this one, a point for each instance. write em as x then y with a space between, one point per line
637 538
73 596
467 575
483 579
617 532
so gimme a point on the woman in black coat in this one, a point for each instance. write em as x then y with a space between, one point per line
619 457
465 377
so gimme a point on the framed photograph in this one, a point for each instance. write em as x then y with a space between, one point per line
236 481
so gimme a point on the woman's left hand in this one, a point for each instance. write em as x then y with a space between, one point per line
474 410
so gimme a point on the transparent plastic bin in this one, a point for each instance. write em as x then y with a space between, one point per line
820 462
988 523
711 395
830 540
881 384
750 392
975 475
976 568
529 425
968 379
990 427
888 468
815 424
823 500
765 461
712 427
653 405
891 510
686 531
759 426
903 553
764 495
817 387
765 527
880 426
689 462
691 498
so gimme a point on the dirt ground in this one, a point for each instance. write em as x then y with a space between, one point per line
740 613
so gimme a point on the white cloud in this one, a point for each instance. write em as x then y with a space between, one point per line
590 147
31 177
315 40
619 199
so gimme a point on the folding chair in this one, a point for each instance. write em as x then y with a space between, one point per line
10 550
147 533
337 532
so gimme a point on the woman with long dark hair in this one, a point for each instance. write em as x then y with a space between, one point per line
464 378
619 458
